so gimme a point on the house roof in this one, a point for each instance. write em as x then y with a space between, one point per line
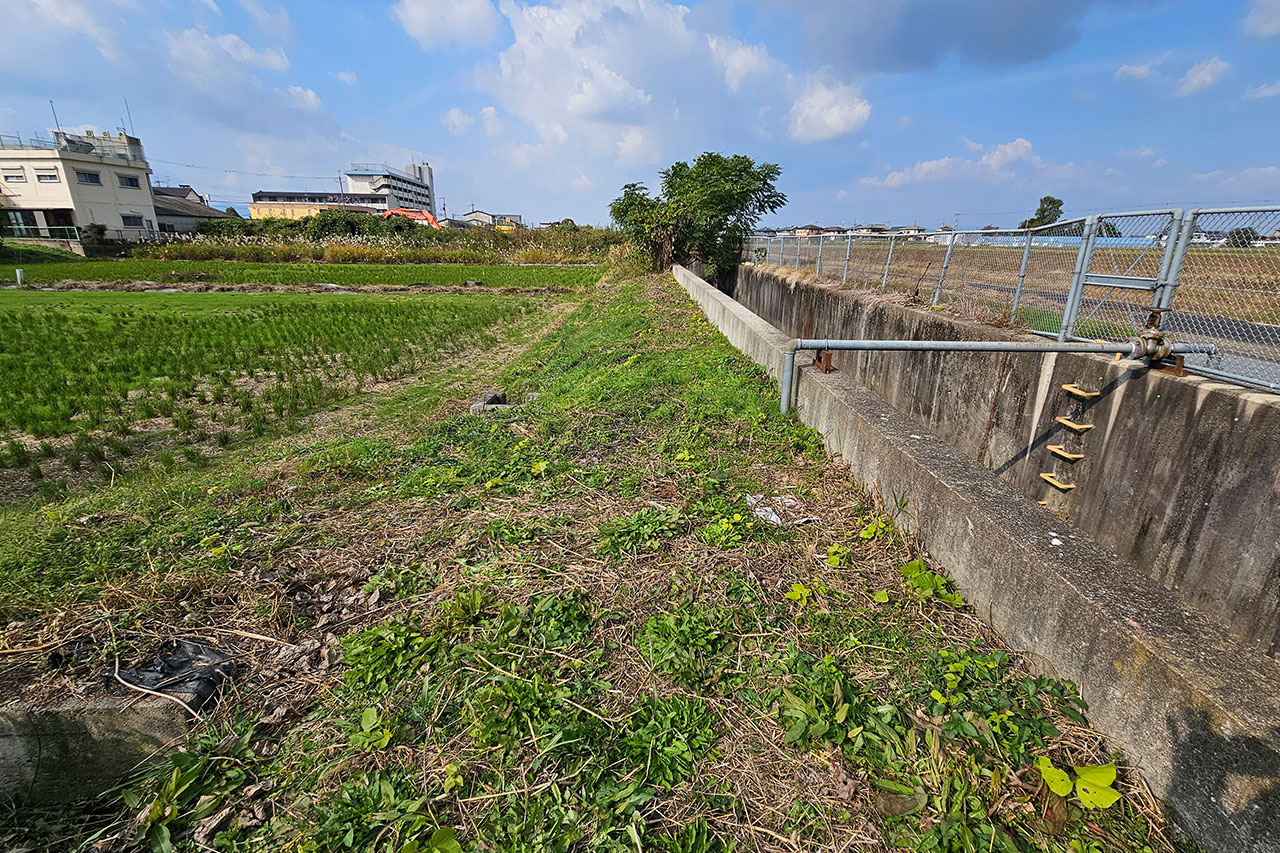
175 192
167 205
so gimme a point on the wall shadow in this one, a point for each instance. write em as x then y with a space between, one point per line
1204 803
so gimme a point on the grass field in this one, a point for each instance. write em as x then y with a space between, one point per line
346 275
89 380
558 627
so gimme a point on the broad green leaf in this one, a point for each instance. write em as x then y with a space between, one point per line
443 840
797 730
368 719
842 713
1057 780
882 596
1095 796
1097 774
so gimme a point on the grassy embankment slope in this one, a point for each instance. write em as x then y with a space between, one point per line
558 627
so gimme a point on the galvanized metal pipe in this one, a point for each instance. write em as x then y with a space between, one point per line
1135 348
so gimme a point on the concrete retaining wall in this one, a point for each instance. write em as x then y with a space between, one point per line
1196 712
1181 476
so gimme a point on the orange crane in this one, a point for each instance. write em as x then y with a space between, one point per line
416 215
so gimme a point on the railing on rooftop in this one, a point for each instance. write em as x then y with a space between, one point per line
1208 275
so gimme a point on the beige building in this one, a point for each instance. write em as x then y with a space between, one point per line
371 188
55 188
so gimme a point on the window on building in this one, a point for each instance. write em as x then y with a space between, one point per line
88 178
47 177
15 177
129 182
131 221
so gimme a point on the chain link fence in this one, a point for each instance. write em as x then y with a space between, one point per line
1206 276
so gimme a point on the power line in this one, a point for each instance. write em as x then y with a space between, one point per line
241 171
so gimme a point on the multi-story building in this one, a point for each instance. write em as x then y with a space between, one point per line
414 188
54 188
279 204
370 189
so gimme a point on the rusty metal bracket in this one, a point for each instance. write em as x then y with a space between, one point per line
1172 366
1053 481
1079 393
1073 426
822 360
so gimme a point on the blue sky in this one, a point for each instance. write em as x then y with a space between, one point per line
908 111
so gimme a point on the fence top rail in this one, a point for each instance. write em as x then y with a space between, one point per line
1164 211
1272 208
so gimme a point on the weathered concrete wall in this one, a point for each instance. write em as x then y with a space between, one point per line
64 245
1191 708
1179 475
74 749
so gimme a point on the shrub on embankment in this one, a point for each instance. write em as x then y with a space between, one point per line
361 238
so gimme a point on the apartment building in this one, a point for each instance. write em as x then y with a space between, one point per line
414 187
53 188
371 188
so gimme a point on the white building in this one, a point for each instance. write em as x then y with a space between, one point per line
54 188
414 188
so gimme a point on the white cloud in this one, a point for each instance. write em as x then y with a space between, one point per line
1270 90
276 23
271 58
216 64
302 99
905 121
826 111
970 144
456 120
1158 163
1263 19
73 16
583 183
1019 150
1137 153
211 6
493 125
739 61
433 24
992 167
348 77
636 148
1254 178
1202 75
1134 72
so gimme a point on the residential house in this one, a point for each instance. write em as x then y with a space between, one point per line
53 188
180 209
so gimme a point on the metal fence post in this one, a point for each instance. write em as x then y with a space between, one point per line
848 246
817 269
1075 294
1159 299
1173 275
1022 277
946 262
884 282
797 251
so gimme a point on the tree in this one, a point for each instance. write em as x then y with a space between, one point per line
1049 211
231 211
1242 238
705 212
1107 228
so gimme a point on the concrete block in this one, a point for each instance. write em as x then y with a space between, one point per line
78 748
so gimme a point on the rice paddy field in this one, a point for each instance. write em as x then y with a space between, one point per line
162 272
559 626
94 384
